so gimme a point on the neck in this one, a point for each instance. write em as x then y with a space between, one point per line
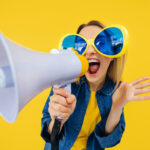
97 85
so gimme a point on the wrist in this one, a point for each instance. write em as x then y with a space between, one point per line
118 103
113 118
117 106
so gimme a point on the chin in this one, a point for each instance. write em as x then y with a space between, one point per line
92 79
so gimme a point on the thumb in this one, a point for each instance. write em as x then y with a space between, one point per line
70 99
122 84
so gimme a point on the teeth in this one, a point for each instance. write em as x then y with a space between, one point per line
93 61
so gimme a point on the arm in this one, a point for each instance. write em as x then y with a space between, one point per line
109 130
113 118
47 121
124 94
114 115
60 103
111 139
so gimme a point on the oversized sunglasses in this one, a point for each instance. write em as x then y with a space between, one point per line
110 42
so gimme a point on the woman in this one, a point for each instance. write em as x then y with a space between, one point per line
94 118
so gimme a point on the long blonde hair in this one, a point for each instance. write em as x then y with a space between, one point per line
116 67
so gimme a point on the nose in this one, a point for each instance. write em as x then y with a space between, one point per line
90 51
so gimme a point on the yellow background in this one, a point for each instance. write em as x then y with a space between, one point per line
40 24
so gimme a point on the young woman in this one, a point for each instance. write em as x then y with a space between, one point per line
94 118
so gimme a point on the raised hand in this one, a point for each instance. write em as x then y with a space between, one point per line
128 92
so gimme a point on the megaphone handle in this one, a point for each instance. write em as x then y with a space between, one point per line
55 135
56 128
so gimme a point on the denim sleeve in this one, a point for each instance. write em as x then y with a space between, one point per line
45 121
113 138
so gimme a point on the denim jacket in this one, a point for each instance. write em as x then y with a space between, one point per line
69 133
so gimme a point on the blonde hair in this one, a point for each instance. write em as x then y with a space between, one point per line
115 69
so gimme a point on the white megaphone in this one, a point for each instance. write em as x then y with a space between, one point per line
24 73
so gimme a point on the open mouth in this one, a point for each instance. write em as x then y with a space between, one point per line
94 66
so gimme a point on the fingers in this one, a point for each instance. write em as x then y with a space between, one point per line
60 108
61 92
141 91
139 80
58 99
137 98
71 99
56 110
142 85
55 114
62 104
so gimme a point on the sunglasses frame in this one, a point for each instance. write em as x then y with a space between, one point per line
91 41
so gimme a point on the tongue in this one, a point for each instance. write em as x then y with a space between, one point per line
93 68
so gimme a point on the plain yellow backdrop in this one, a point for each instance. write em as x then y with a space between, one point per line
40 24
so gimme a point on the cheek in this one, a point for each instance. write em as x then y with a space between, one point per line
108 59
106 62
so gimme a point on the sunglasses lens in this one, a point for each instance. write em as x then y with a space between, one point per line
109 41
75 41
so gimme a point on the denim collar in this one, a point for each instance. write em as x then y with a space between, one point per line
107 88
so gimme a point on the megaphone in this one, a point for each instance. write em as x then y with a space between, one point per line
24 73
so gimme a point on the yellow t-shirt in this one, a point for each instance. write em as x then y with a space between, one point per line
92 117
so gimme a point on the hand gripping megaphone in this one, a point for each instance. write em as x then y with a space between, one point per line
24 73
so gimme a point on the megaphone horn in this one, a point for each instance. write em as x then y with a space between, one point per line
24 73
